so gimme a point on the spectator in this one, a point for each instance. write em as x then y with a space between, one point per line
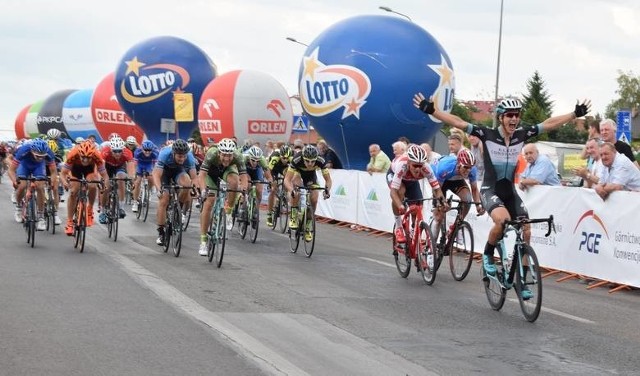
379 161
298 144
608 134
478 153
455 143
268 147
330 157
539 170
432 156
399 148
591 174
618 173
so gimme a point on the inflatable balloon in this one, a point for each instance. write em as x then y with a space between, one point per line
357 80
31 121
50 115
76 114
246 104
20 123
151 73
108 115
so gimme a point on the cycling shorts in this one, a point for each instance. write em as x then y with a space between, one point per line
503 194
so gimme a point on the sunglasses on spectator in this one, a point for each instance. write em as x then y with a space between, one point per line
510 115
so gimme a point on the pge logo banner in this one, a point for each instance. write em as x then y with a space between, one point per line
591 230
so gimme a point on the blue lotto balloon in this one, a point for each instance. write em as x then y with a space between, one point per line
357 80
151 73
76 114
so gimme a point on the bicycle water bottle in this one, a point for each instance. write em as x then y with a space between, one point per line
303 201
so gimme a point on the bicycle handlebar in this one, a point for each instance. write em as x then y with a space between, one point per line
523 221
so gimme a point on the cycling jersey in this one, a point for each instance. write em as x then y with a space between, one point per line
213 160
111 160
402 173
28 165
308 174
500 159
276 165
167 161
73 162
445 170
144 162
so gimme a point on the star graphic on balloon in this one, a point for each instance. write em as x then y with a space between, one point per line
444 71
311 63
134 65
353 107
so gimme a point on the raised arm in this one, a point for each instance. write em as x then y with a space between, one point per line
556 121
428 107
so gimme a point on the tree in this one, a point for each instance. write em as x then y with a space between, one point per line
460 110
537 98
628 91
535 114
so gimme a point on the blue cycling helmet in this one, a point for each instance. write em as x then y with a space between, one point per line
148 145
39 147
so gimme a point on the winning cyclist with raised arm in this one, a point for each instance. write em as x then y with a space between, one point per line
501 149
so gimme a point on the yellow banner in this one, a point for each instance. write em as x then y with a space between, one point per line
572 161
183 106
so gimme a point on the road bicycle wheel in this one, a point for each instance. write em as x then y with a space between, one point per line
276 213
79 225
254 219
32 220
424 251
176 239
211 237
128 192
496 293
140 202
115 217
187 213
309 220
402 257
284 214
109 210
461 251
294 238
532 280
145 201
221 235
52 214
242 220
168 229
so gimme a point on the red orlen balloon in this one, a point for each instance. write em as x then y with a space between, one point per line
107 114
22 116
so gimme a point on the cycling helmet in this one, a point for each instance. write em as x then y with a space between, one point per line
53 145
79 139
86 148
114 135
416 154
505 105
131 140
117 144
53 133
39 146
466 158
180 146
255 152
227 145
310 153
148 145
285 151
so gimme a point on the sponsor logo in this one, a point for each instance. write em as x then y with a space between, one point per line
265 126
590 239
112 116
327 88
275 105
76 117
340 191
372 196
49 119
144 83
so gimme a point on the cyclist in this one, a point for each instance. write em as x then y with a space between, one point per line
118 161
221 162
278 163
257 168
197 151
302 172
408 170
83 161
452 172
144 157
502 146
30 160
59 157
175 165
131 144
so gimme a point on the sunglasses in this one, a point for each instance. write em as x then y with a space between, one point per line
85 158
116 151
147 150
38 156
466 167
309 161
415 165
510 115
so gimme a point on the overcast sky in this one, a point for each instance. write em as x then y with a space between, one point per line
576 45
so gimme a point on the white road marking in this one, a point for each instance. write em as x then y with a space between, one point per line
378 262
561 314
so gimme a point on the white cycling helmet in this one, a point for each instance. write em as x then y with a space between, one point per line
117 144
510 104
53 133
227 145
131 140
255 152
416 154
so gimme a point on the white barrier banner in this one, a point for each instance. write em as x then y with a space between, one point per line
343 204
374 202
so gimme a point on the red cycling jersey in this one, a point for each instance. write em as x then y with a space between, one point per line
111 160
402 172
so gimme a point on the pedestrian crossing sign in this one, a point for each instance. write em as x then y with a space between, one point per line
300 124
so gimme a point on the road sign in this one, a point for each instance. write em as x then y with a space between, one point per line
300 124
623 132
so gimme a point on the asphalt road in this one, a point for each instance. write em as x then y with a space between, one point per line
129 308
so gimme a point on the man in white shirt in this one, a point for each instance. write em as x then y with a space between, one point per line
591 174
618 172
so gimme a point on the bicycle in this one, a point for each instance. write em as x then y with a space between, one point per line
189 209
281 207
512 268
306 222
144 197
247 212
457 244
113 207
173 225
418 245
80 212
29 209
128 192
217 232
50 210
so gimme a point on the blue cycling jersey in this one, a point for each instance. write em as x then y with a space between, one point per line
141 157
445 169
167 161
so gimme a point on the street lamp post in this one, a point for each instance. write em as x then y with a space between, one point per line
387 9
294 40
495 101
